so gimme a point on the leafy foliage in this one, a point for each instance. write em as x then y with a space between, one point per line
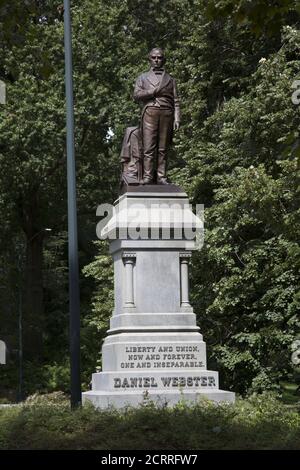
246 278
259 14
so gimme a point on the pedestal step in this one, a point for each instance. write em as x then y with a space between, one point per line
152 379
122 399
155 321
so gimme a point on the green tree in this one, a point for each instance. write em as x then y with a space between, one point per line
246 278
259 15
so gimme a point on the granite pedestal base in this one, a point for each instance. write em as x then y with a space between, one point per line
164 367
153 349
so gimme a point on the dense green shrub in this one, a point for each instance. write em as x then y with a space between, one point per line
46 422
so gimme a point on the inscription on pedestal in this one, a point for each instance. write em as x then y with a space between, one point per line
162 357
165 382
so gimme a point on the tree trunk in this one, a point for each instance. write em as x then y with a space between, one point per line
33 305
34 298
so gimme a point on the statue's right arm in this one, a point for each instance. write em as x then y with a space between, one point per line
140 93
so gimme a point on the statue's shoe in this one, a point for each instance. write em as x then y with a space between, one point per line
163 181
147 181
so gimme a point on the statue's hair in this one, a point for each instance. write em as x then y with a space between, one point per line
158 49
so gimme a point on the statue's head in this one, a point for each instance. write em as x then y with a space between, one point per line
157 58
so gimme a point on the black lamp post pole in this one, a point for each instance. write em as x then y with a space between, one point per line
20 319
72 219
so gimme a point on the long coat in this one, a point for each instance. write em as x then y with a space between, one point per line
166 94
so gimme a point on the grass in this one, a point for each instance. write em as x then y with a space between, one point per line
46 422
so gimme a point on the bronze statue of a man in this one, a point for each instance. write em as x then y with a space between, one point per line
156 90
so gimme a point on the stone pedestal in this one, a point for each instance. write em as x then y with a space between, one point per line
153 349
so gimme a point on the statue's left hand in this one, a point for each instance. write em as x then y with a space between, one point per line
176 125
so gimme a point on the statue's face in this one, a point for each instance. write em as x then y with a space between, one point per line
156 59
